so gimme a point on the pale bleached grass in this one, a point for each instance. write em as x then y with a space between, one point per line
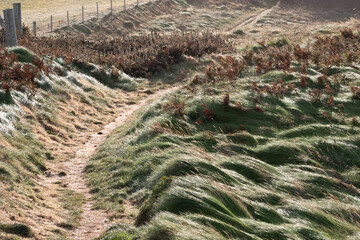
41 10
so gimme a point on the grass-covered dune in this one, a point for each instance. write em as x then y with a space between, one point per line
230 161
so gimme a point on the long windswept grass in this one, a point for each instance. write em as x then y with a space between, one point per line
243 160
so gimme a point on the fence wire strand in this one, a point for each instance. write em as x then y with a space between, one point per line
59 21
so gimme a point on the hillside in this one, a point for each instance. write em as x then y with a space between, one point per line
326 9
231 119
270 153
324 3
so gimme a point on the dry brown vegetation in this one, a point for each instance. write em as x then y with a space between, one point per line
138 56
15 75
324 53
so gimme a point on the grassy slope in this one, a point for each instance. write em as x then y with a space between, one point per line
290 172
26 137
169 16
32 126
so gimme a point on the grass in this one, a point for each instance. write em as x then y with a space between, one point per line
23 54
27 160
16 229
273 168
39 11
28 127
287 172
109 77
72 202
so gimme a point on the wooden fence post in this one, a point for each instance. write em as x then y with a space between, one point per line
17 16
111 10
68 18
10 29
34 29
2 23
137 3
51 23
125 5
97 10
82 14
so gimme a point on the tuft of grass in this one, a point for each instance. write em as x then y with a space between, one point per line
6 98
16 229
239 32
24 55
72 202
279 42
109 77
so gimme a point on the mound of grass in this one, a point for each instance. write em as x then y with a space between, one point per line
24 55
6 98
7 171
239 32
27 160
279 42
16 229
109 77
72 202
82 28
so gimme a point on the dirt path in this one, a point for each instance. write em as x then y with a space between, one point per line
93 222
251 21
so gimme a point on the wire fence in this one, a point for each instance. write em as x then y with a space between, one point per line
71 17
84 14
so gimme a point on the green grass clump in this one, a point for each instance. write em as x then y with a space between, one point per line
28 158
6 98
72 202
24 55
279 42
16 229
119 232
109 77
7 171
239 32
353 176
